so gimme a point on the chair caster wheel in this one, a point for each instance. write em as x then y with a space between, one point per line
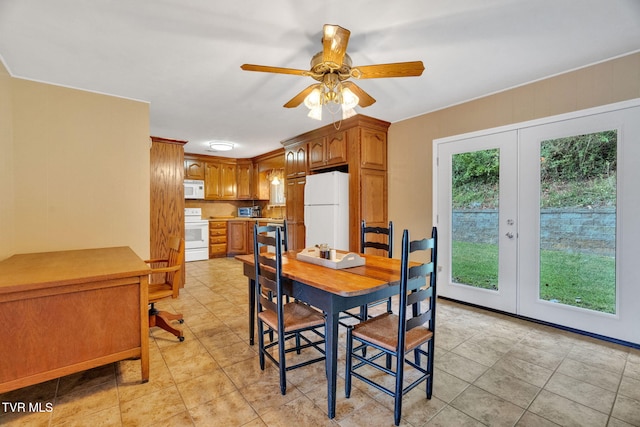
180 339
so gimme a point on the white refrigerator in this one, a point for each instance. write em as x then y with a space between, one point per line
326 210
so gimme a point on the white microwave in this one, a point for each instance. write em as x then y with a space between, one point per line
193 189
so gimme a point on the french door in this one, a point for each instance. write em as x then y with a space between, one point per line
540 219
483 227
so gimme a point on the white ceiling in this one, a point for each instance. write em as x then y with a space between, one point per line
184 56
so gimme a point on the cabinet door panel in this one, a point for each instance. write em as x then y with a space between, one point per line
336 151
373 196
228 181
301 160
237 237
316 153
373 149
212 180
193 169
244 181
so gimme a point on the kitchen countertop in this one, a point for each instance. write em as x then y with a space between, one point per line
241 218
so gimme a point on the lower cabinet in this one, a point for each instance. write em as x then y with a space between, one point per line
237 243
240 236
217 239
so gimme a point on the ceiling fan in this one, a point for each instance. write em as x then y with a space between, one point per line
332 67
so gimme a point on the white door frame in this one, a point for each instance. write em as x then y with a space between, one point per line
504 298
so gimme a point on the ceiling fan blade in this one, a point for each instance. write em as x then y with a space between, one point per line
334 44
268 69
299 98
398 69
364 98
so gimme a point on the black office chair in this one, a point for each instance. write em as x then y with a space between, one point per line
393 335
386 245
285 320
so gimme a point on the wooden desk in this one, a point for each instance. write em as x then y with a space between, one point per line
332 291
64 312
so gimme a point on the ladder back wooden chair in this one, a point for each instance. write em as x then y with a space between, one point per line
170 287
279 318
380 238
412 330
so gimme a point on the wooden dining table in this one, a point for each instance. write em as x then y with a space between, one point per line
332 291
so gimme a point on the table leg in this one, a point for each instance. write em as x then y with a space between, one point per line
252 309
144 328
331 349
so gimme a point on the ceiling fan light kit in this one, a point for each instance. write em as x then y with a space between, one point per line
332 67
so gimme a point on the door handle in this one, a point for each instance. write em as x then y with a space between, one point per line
509 235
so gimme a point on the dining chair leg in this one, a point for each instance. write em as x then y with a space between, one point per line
347 374
397 407
252 310
261 344
431 349
282 365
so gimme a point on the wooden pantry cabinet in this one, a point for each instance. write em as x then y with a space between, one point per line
358 147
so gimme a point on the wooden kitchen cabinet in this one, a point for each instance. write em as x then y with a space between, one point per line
217 239
244 180
263 166
228 183
295 160
220 180
295 213
359 148
236 179
373 149
374 200
237 242
328 151
212 183
167 195
193 169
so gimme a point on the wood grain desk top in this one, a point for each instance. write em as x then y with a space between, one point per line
378 272
23 272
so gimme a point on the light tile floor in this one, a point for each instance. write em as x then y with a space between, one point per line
490 370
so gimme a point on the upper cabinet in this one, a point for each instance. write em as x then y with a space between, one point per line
328 151
220 180
193 169
295 160
264 167
373 149
234 179
228 181
212 184
244 182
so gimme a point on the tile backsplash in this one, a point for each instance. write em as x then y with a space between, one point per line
230 208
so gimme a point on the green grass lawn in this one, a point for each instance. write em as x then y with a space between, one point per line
580 280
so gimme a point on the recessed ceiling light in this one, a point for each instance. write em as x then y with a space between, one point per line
220 146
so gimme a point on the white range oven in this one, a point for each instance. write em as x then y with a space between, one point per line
196 235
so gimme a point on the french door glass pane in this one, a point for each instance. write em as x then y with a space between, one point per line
578 221
474 229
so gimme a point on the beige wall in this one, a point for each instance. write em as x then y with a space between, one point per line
411 141
6 166
79 167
